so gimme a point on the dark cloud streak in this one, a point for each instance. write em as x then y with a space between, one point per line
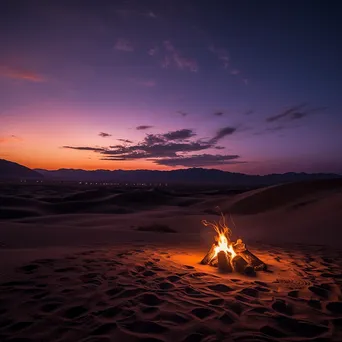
104 135
143 127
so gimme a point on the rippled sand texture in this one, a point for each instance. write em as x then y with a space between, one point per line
139 294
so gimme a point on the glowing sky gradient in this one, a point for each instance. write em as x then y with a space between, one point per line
244 86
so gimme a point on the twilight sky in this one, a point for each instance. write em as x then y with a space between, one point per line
244 86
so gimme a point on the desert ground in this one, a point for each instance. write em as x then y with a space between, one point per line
111 264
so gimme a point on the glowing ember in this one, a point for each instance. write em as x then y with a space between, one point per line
224 246
222 238
227 255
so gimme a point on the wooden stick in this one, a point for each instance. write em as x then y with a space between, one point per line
239 264
214 262
223 262
252 260
209 255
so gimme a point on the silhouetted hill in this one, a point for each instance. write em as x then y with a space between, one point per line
189 176
12 171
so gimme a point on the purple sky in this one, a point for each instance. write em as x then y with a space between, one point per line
247 86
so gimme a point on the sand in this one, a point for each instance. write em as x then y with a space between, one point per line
123 265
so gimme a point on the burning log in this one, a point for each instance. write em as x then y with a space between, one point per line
214 262
229 256
209 256
239 264
253 260
239 246
223 262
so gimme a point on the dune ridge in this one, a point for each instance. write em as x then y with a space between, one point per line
111 264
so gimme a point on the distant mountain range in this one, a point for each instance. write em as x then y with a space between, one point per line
189 176
10 170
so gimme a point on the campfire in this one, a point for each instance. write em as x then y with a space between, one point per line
230 256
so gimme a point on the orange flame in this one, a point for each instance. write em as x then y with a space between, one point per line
222 238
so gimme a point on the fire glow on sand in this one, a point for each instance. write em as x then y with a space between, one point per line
230 256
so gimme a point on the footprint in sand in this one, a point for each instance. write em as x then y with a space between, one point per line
217 302
104 329
109 312
75 312
220 288
282 307
251 292
202 313
150 299
173 279
166 286
146 327
50 307
335 307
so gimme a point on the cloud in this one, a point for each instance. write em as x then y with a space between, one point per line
104 135
125 141
295 113
153 51
124 45
148 150
222 55
170 149
174 58
85 148
235 72
218 113
21 74
179 135
199 160
10 139
143 127
182 113
150 14
287 114
223 132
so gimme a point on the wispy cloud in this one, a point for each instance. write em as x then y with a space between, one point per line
174 148
153 51
104 135
294 113
235 72
179 135
173 57
223 132
143 127
222 55
180 112
150 14
218 113
126 141
10 139
199 160
124 45
84 148
21 74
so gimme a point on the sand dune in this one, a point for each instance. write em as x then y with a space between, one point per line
112 265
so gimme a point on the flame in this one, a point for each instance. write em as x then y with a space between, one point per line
224 245
222 238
